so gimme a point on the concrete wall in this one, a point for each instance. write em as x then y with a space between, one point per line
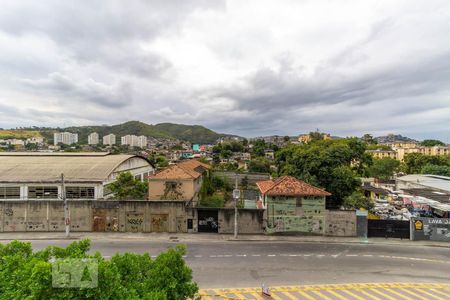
340 223
250 221
283 215
130 216
432 229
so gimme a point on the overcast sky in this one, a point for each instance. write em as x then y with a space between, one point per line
243 67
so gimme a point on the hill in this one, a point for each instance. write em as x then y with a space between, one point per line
392 138
191 133
19 134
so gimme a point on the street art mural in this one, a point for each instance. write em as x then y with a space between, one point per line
295 214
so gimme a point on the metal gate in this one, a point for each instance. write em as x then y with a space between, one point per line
388 228
208 220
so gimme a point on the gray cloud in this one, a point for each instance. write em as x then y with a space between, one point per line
252 68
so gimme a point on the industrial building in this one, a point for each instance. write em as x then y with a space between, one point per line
36 175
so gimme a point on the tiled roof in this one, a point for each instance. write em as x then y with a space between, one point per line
289 186
188 169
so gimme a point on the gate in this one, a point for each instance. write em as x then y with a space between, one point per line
208 220
388 228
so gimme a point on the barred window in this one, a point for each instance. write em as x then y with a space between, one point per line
42 192
79 192
9 192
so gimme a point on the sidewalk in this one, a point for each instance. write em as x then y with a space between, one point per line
213 237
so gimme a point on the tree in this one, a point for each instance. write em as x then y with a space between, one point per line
368 139
383 168
127 187
357 201
436 170
258 148
259 165
431 143
25 274
331 164
286 138
413 163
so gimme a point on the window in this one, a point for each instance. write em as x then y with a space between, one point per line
298 203
42 192
79 192
9 192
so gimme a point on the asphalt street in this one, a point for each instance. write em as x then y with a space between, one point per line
221 264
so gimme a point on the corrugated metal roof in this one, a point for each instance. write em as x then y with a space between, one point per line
432 181
48 168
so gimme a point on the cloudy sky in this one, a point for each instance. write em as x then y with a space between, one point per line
242 67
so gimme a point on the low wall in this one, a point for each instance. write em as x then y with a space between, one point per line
340 223
122 216
250 221
432 229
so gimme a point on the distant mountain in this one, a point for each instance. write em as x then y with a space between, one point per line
391 138
190 133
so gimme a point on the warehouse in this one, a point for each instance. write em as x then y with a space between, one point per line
36 175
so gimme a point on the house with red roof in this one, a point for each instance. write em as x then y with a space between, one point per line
292 205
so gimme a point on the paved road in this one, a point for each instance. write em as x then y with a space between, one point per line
225 264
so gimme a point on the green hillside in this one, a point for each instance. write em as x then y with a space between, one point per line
190 133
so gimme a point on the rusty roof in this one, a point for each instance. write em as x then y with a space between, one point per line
289 186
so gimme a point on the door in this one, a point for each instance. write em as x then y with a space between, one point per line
159 223
208 220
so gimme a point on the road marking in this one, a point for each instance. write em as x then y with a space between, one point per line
228 255
271 255
351 255
336 295
257 296
292 254
304 294
367 255
241 255
408 292
289 295
367 294
198 255
439 292
392 291
213 256
320 255
352 294
382 294
429 294
256 255
321 295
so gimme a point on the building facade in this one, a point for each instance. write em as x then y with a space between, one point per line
292 206
134 141
34 176
93 138
66 138
109 139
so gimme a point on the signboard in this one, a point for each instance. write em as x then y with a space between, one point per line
236 194
433 229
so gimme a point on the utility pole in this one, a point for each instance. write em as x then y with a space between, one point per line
66 207
236 196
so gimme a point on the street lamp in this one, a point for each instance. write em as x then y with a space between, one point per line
236 196
66 207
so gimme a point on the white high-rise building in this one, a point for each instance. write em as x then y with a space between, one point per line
93 138
134 141
109 139
66 138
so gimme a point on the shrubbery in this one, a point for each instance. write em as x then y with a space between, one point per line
28 275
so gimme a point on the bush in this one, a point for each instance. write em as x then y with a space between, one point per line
216 200
28 275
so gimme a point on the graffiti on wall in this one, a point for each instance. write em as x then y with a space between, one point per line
293 215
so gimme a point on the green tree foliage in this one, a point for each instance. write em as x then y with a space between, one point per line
383 168
436 170
413 163
158 160
331 164
357 201
28 275
368 139
214 191
431 143
258 148
259 165
127 187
